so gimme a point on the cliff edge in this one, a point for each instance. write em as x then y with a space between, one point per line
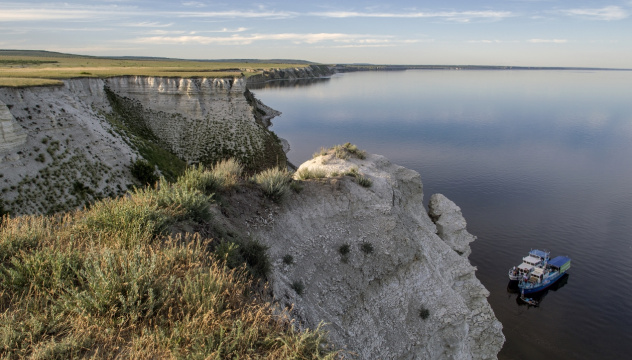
370 263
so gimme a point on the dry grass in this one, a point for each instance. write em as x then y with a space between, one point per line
36 70
108 282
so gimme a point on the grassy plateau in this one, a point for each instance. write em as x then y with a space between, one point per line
26 68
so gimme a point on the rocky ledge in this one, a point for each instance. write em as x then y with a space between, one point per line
370 263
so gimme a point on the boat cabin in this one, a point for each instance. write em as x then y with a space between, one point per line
560 263
537 275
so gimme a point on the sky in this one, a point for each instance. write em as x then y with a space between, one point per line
582 33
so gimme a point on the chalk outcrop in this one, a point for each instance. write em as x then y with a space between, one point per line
63 146
11 135
370 263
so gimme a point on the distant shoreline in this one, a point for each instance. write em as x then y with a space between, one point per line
367 67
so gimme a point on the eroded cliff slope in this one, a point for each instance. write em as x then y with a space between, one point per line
369 262
66 146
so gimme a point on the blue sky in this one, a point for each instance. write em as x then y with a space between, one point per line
486 32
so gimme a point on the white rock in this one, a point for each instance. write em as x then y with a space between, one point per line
371 302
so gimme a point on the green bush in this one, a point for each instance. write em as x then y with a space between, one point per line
288 259
274 182
364 181
298 287
424 313
229 172
200 179
194 204
366 247
144 172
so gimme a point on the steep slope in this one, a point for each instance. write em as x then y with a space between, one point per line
369 263
66 146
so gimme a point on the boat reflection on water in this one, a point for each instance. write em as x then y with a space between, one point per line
512 288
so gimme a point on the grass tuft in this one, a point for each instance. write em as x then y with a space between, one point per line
307 174
274 182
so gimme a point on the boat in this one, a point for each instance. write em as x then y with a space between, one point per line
542 277
536 258
529 301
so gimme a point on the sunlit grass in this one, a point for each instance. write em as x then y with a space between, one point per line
112 281
36 70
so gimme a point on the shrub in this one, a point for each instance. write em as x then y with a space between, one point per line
347 150
366 247
288 259
144 172
129 221
274 182
40 158
364 181
353 172
194 203
200 179
228 172
344 249
424 313
298 287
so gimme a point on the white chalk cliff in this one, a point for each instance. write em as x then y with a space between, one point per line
59 151
404 290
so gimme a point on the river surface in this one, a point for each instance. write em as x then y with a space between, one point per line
535 159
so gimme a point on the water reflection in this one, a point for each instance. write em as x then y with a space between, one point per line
512 289
533 158
276 84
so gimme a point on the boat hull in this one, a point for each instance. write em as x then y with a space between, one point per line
529 288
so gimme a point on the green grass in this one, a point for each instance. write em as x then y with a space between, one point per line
274 182
307 174
110 281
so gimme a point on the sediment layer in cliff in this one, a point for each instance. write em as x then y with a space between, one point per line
66 146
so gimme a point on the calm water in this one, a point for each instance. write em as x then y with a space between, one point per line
535 159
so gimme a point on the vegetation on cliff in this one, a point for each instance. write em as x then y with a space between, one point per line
33 68
122 279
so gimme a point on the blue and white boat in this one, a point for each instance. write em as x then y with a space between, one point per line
536 258
544 276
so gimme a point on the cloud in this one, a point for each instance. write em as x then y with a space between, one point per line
232 14
310 38
608 13
549 41
148 24
460 16
44 14
195 4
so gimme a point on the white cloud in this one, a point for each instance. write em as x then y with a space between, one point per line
195 4
607 13
460 16
44 14
232 14
154 24
550 41
310 38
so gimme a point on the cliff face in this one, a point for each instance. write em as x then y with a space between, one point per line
389 281
308 72
65 146
369 262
